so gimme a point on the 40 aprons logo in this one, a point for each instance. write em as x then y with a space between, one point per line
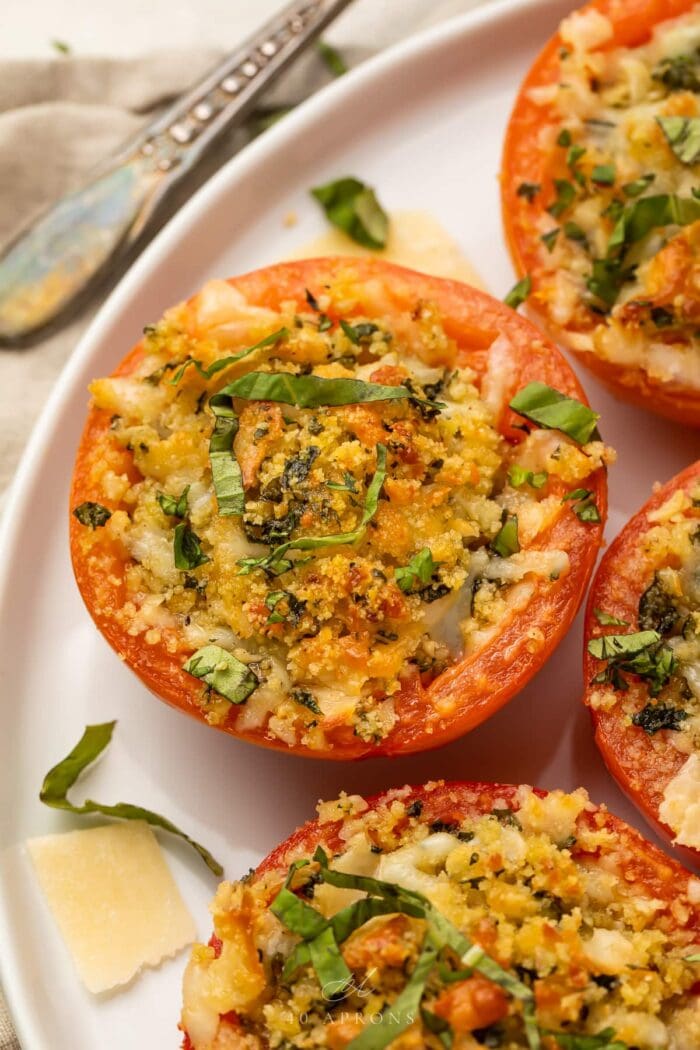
334 990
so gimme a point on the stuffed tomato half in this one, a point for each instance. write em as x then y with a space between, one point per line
642 661
304 511
600 182
453 915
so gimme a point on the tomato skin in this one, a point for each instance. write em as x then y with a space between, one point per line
641 768
476 686
633 22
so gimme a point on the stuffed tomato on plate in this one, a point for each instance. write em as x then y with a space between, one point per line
453 915
600 182
642 659
305 512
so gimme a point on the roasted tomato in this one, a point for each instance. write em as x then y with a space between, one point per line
465 915
598 191
304 512
642 661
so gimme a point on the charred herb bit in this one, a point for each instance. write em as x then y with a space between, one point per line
92 515
174 508
415 809
296 470
566 194
657 610
312 300
506 541
661 318
507 817
304 697
353 207
187 548
276 530
679 73
528 190
606 620
519 292
655 717
419 570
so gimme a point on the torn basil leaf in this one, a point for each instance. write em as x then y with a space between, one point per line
59 780
93 515
506 541
650 213
519 292
636 188
353 207
552 410
604 1040
518 476
310 391
275 561
187 548
549 239
683 136
420 570
607 620
613 646
224 362
226 675
585 507
174 508
565 197
348 485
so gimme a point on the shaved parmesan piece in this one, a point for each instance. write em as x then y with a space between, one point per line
114 900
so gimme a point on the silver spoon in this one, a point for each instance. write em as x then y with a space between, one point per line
53 265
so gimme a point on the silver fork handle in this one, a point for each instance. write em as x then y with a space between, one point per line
53 265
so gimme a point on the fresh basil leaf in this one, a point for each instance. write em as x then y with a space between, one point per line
59 780
588 511
565 197
358 333
650 213
272 600
349 483
353 207
636 188
549 239
334 61
606 620
174 508
224 362
309 391
528 190
226 675
519 476
613 646
420 569
343 923
603 174
298 916
553 410
187 548
403 1011
93 515
226 473
683 136
604 1040
506 541
519 292
306 543
438 1026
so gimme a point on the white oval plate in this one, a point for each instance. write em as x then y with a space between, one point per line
424 124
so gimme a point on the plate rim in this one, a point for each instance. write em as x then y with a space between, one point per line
16 501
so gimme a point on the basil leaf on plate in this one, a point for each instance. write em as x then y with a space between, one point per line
224 362
226 675
93 515
353 207
556 411
187 548
314 391
59 780
683 136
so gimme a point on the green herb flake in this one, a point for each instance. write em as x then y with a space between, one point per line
683 136
553 410
353 207
420 569
564 138
637 188
519 292
62 47
549 239
223 673
607 620
306 699
349 484
187 548
174 508
59 780
528 190
519 476
223 362
359 333
92 515
603 174
506 541
566 194
613 646
604 1040
573 232
332 58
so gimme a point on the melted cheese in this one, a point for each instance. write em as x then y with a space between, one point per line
680 808
113 899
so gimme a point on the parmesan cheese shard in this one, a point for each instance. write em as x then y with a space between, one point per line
114 900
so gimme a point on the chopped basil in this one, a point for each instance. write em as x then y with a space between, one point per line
276 562
613 646
312 300
223 673
271 601
683 136
439 1027
573 232
187 548
678 73
650 213
604 1040
353 207
607 620
359 333
59 780
564 138
333 59
224 362
174 508
506 541
636 188
304 697
420 569
310 391
348 485
607 278
603 174
528 190
295 607
61 46
549 239
655 717
94 515
585 507
226 473
564 199
553 410
518 476
640 653
519 292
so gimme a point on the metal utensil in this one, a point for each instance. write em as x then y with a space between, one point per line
55 263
